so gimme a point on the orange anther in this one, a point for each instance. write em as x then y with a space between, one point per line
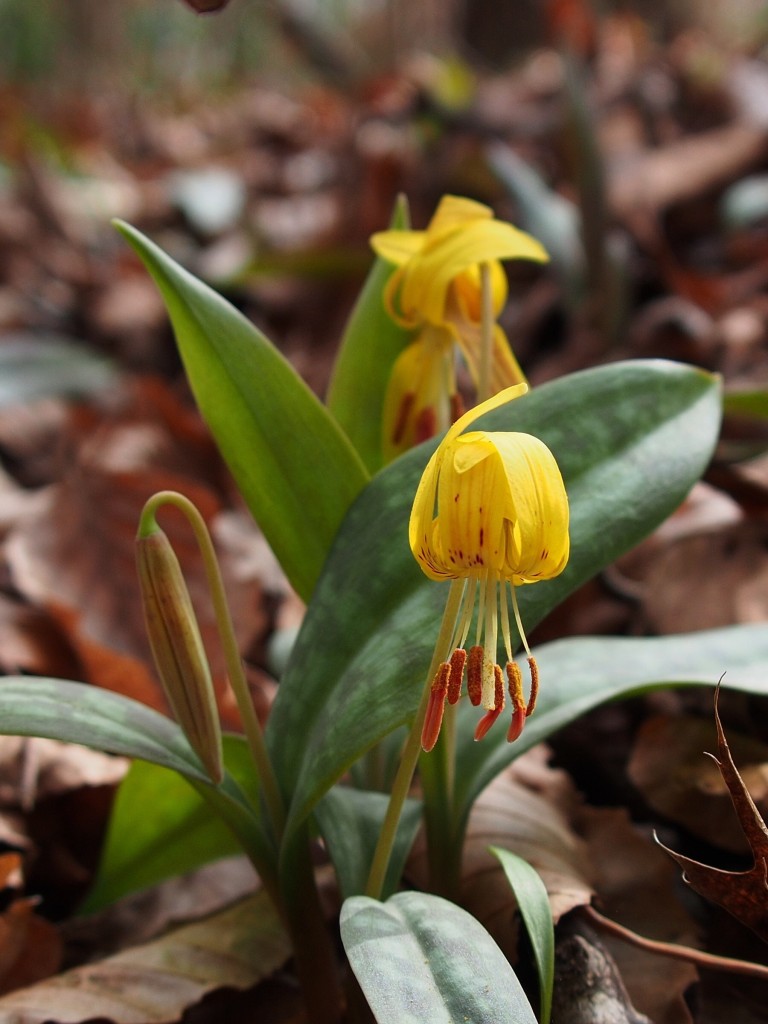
475 674
456 677
534 686
435 708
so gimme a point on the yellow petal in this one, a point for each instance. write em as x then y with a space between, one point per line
428 275
422 378
538 544
397 246
420 527
455 210
505 369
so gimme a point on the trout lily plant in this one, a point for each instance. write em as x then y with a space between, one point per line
425 542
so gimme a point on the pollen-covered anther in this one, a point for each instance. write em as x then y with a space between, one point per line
475 674
435 707
456 676
490 717
519 709
534 686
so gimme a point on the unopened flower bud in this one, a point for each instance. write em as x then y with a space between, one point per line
177 648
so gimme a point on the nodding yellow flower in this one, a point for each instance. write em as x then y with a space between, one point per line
437 291
490 511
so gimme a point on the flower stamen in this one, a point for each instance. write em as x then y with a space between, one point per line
436 706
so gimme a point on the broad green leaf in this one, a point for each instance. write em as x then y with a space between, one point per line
350 822
78 713
371 343
155 982
631 440
420 958
579 673
159 827
293 464
36 366
533 902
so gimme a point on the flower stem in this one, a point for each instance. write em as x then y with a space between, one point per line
487 322
412 748
271 790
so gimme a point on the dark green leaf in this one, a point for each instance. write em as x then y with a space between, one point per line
631 440
371 343
420 958
533 902
579 673
295 467
350 821
77 713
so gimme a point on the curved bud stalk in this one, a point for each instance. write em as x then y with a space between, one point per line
177 648
179 653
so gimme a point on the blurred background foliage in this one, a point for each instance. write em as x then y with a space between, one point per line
160 46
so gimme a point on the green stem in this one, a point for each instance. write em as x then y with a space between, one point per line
412 748
147 524
314 957
487 323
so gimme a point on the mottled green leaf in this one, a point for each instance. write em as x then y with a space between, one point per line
631 440
350 821
533 902
420 958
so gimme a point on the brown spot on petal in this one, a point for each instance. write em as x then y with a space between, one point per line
457 407
406 405
426 425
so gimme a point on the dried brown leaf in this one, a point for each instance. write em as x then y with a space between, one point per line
743 894
74 555
667 767
30 947
156 982
635 886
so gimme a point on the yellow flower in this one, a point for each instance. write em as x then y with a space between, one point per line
490 510
437 291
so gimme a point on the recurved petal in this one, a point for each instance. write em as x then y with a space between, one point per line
455 210
397 246
428 274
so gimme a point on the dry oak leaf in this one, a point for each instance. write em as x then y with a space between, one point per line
667 767
742 893
154 983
